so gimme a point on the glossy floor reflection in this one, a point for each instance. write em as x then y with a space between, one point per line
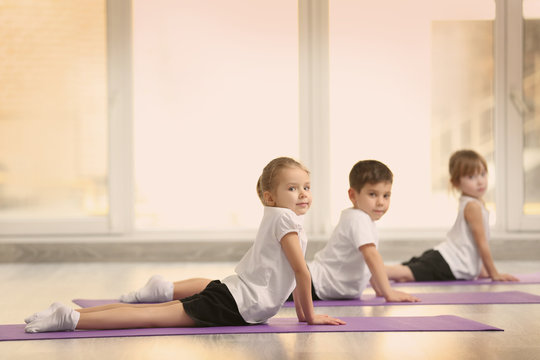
26 288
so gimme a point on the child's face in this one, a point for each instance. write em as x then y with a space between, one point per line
292 191
373 199
474 185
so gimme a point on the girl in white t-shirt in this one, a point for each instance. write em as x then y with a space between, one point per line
272 268
465 253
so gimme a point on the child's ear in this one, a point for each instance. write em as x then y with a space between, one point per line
352 194
268 199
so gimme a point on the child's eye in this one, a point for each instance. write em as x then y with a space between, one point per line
387 196
307 188
292 188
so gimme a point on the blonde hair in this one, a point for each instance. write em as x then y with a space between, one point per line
465 163
267 180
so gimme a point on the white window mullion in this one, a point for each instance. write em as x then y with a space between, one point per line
515 186
501 135
120 90
514 122
314 107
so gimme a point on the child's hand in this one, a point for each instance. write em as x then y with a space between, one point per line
399 296
504 277
326 320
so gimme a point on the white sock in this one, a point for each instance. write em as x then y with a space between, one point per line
62 319
43 313
156 290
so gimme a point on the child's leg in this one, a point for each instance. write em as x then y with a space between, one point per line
119 305
155 290
169 314
189 287
158 290
399 273
114 316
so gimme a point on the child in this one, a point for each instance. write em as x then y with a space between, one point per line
465 254
264 278
342 268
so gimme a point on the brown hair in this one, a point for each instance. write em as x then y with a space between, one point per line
369 172
267 180
464 163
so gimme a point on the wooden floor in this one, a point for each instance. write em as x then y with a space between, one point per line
25 288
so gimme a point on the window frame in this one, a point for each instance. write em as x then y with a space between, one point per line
120 168
509 119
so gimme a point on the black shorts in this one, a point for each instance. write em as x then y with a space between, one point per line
430 266
313 294
214 306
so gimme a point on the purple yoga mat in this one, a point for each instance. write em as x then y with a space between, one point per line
459 298
454 298
531 278
275 325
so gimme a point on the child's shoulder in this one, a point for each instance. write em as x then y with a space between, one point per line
469 202
282 214
278 211
354 215
357 226
474 210
354 212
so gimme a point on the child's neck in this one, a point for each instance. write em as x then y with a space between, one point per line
474 197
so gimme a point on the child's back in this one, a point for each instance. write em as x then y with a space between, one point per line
339 269
459 250
264 278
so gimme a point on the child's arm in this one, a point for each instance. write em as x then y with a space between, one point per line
302 293
379 278
297 306
473 216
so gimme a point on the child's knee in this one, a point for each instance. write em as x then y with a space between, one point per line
401 273
407 275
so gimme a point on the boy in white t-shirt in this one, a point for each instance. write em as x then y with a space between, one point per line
342 269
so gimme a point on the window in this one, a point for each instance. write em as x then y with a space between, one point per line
213 104
53 111
409 96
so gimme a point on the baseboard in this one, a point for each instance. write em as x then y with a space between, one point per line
220 251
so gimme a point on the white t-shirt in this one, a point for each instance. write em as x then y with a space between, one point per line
339 270
264 278
459 250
